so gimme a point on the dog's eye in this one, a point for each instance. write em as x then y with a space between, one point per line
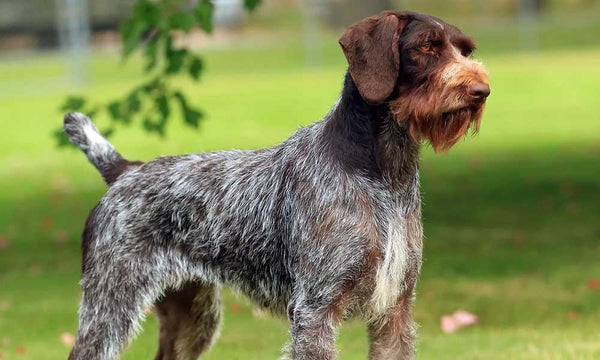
466 52
427 47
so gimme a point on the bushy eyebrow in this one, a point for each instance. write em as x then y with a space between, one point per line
465 43
422 37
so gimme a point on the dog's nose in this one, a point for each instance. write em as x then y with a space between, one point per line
479 91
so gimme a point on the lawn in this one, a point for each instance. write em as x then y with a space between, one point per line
511 217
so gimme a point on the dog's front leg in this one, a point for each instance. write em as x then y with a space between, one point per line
392 336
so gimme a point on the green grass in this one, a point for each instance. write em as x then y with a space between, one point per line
512 217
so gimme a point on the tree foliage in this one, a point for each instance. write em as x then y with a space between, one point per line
150 30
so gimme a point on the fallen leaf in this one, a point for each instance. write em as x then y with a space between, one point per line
236 308
475 161
34 269
459 319
5 341
59 182
61 237
594 149
547 203
593 284
464 318
67 339
573 315
572 207
448 324
518 238
47 221
20 350
4 305
4 242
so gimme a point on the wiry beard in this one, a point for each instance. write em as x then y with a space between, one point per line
445 130
441 129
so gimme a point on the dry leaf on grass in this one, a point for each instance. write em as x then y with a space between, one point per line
593 284
4 305
236 308
61 236
46 222
20 350
4 243
34 269
573 315
67 339
59 182
459 319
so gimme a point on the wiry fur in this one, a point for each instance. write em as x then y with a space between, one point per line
324 226
83 133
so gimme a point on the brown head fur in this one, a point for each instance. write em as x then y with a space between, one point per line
422 68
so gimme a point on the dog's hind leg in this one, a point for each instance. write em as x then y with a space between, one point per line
189 321
116 291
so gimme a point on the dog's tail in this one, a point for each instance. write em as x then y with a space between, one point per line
83 133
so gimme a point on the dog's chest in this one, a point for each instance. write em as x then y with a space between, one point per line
399 264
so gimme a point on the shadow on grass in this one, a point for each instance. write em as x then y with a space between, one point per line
511 237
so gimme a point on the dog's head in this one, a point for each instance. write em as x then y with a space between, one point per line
422 67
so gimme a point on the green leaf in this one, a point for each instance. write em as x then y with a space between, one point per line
175 58
151 52
150 86
204 13
195 67
114 109
190 116
91 113
181 20
175 61
153 126
146 15
131 31
61 137
251 4
107 132
147 12
162 104
133 103
148 124
181 99
73 103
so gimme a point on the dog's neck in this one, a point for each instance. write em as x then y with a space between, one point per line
366 138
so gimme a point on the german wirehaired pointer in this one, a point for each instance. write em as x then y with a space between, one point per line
322 227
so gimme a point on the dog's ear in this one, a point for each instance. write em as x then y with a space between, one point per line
371 48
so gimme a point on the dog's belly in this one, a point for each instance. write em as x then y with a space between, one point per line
259 273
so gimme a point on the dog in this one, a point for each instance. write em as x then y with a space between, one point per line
322 227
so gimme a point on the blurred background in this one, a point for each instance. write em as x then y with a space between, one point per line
511 216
